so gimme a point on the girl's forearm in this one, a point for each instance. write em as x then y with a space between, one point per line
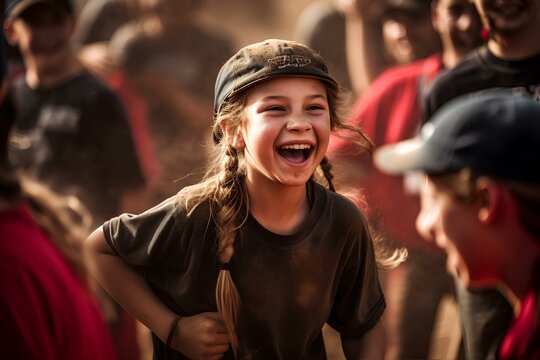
371 345
126 286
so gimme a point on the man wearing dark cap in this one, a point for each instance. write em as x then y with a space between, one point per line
481 203
71 131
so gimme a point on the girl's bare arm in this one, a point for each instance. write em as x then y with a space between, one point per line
126 286
370 346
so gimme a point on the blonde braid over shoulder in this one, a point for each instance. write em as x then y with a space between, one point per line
230 202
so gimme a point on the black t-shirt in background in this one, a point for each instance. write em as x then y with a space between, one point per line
76 138
481 71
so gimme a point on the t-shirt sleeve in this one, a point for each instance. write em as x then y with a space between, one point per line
359 301
145 239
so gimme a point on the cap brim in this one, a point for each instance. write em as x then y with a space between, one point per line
22 6
326 79
396 159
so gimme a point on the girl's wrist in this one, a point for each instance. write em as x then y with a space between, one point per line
172 331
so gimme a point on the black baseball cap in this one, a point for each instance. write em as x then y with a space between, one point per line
271 58
495 133
14 8
407 5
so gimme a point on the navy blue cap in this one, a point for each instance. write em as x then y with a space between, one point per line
14 8
495 133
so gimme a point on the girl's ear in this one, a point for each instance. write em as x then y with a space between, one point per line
233 136
238 141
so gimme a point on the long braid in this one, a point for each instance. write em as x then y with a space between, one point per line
385 258
230 204
326 168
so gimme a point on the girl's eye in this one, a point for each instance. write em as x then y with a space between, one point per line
275 108
315 107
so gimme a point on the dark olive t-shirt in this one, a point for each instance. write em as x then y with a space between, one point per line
289 285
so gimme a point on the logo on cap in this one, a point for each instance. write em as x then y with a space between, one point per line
283 61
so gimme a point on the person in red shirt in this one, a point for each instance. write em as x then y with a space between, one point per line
390 111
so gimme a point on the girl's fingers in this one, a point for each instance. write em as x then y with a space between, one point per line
221 340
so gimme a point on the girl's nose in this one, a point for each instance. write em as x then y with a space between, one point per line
299 123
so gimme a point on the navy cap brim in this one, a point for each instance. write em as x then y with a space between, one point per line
15 10
396 159
406 155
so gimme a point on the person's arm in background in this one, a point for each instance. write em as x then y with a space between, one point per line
363 40
96 23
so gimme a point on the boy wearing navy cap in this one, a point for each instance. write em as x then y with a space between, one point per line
480 155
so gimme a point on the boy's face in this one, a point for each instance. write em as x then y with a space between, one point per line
507 16
458 24
409 35
42 33
454 226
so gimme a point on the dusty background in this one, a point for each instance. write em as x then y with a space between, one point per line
249 21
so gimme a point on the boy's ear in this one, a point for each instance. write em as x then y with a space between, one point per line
435 15
491 198
10 33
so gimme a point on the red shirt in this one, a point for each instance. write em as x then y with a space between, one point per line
389 111
46 312
522 341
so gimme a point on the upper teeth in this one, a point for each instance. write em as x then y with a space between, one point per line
297 146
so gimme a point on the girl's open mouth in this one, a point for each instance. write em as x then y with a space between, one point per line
296 153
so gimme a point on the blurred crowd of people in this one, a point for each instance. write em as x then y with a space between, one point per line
108 104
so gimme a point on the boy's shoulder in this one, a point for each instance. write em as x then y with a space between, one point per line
465 77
